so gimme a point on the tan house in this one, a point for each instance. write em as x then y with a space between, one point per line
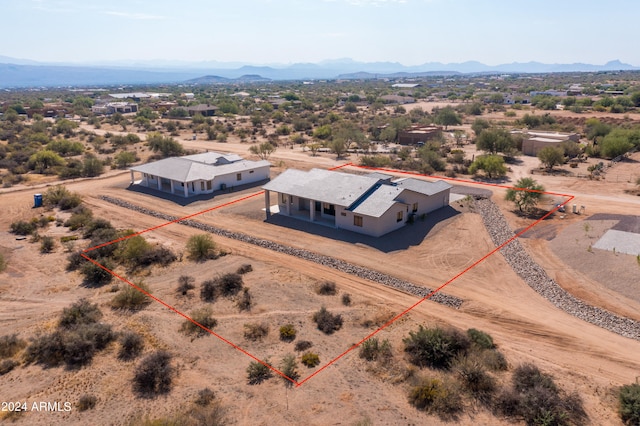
416 134
534 141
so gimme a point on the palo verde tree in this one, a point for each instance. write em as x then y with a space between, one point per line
496 140
551 156
526 194
264 150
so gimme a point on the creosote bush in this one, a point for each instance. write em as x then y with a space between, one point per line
346 299
436 397
131 345
205 397
373 350
255 331
130 298
480 339
22 227
326 321
435 347
7 365
47 244
201 247
327 288
10 345
87 402
289 367
243 269
257 373
302 345
186 283
310 359
204 318
244 301
629 404
287 333
154 375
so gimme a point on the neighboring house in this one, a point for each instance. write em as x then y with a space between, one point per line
372 204
417 134
397 99
534 141
113 107
200 173
204 109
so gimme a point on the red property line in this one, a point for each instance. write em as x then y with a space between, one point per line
387 324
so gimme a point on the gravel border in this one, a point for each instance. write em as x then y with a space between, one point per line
536 277
337 264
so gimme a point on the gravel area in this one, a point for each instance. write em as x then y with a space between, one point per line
536 277
331 262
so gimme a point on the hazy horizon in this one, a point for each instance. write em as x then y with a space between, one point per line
266 32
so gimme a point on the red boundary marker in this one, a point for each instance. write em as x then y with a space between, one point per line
387 324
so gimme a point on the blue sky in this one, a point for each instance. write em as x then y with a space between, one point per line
411 32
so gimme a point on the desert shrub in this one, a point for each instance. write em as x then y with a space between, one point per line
80 218
132 249
255 331
157 255
3 263
346 299
22 227
535 398
95 225
494 360
47 350
185 284
436 397
86 402
131 345
435 347
205 396
209 291
7 365
327 288
153 375
373 350
474 378
201 316
81 312
480 339
258 372
310 359
230 284
75 260
10 345
244 300
213 414
302 345
201 247
47 244
289 367
326 321
287 333
629 400
243 269
57 195
130 298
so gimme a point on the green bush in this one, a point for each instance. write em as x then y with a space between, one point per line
480 339
258 372
494 360
132 299
185 284
327 322
287 333
629 399
131 345
302 345
289 367
310 359
22 227
346 299
205 396
201 316
435 347
154 375
373 350
475 379
201 247
244 300
94 275
230 284
80 218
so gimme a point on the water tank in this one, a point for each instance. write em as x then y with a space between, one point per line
37 200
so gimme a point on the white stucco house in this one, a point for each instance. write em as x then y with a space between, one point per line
200 173
372 204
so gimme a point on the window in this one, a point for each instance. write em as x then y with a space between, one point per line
202 185
250 171
400 216
415 207
209 184
238 176
284 198
329 209
343 213
357 220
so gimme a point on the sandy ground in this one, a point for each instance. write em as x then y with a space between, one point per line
582 357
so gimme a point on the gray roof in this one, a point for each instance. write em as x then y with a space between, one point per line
367 195
215 158
337 188
188 169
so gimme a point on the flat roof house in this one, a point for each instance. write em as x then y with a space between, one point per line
534 141
372 204
200 173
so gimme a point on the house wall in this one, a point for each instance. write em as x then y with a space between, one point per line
426 204
531 147
373 226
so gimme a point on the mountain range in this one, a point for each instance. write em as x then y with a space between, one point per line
16 72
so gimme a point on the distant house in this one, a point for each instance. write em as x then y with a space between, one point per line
200 173
372 204
397 99
417 134
204 109
405 85
534 141
114 107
